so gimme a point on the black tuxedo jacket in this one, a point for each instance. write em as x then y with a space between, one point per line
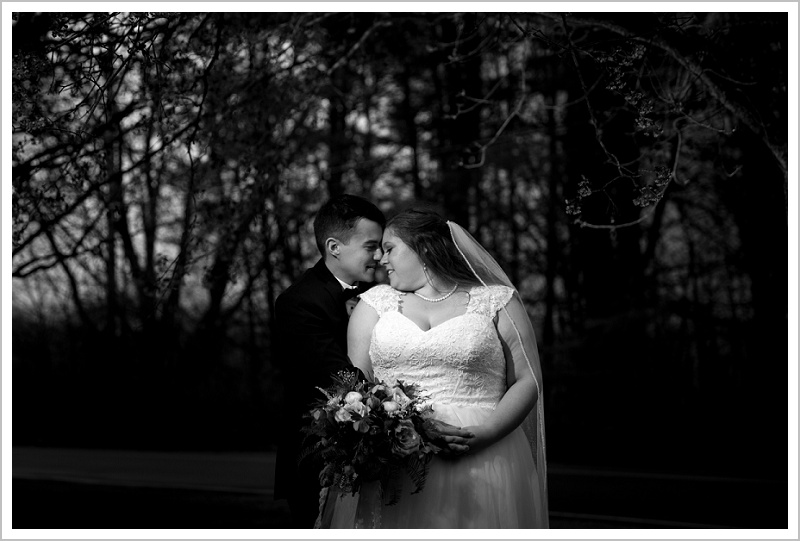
310 346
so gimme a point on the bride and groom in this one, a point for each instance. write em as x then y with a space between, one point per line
450 321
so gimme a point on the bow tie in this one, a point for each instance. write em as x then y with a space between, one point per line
351 292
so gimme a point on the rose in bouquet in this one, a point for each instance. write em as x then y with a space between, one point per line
371 431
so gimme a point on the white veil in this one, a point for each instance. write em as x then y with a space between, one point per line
488 272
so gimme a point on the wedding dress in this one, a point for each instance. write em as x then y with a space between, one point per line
460 364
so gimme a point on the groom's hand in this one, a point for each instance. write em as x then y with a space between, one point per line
453 440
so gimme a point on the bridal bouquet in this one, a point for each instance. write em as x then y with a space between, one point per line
371 431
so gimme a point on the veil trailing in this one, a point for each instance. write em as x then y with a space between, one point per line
488 273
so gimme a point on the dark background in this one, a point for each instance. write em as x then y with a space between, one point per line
628 170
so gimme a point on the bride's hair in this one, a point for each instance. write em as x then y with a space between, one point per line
428 235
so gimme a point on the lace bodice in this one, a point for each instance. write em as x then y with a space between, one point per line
458 362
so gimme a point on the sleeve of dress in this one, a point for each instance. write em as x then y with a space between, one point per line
498 297
380 298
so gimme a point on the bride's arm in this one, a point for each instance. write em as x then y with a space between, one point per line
359 333
522 394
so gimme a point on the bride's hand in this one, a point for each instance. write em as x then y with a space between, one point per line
453 441
482 437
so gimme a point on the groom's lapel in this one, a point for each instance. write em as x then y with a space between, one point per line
334 288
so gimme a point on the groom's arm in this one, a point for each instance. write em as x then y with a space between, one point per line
311 349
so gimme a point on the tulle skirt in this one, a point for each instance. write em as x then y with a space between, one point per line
497 487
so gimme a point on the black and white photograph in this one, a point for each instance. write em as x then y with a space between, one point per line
277 269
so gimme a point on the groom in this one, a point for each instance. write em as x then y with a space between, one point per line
311 335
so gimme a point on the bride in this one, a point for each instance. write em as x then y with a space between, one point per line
451 322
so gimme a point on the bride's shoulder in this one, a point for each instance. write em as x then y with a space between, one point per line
490 298
380 296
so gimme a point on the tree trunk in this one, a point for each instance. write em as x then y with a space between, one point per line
553 248
337 136
409 119
170 311
112 196
461 133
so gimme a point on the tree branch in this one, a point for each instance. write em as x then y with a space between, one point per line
735 107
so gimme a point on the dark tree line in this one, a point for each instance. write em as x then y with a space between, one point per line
627 169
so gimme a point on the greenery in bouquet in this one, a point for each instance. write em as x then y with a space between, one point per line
371 431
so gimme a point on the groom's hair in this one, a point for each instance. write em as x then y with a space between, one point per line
428 235
338 217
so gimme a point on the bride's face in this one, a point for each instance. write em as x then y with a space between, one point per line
402 264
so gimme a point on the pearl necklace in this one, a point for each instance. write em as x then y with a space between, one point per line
440 299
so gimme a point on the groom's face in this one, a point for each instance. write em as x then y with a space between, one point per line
359 257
